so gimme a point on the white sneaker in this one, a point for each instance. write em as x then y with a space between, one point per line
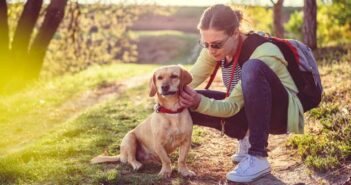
242 149
249 169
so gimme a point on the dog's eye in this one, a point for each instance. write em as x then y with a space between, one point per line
159 78
174 76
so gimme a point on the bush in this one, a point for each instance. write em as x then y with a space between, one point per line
294 26
327 142
255 18
97 34
331 30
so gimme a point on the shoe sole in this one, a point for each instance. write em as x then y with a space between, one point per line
261 174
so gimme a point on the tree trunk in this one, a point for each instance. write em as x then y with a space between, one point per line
23 62
310 23
25 26
18 55
4 29
4 43
278 28
54 15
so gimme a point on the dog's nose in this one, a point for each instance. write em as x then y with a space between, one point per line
165 88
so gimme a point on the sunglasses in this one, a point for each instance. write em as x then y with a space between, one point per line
217 45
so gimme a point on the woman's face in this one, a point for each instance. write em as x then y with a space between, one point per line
218 43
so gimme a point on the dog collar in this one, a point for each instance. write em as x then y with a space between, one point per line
159 109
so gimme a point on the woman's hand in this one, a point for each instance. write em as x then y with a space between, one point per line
189 98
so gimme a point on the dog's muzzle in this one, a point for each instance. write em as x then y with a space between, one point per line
168 93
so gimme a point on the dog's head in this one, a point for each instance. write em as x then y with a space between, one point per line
169 80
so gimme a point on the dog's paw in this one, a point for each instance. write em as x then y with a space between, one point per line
136 165
186 173
166 173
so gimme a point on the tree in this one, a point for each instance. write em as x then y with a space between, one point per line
4 27
22 59
310 23
342 11
278 28
4 41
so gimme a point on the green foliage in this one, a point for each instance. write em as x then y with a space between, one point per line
332 28
294 26
327 148
341 10
99 37
325 111
258 18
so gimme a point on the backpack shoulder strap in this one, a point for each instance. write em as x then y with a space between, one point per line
252 41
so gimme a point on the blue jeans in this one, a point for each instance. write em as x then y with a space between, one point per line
264 112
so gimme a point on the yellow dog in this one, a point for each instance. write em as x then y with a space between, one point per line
166 129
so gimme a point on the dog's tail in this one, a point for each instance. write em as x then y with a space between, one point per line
105 159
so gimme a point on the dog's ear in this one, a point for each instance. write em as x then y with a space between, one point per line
152 86
185 78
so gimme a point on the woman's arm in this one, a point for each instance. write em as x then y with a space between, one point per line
202 68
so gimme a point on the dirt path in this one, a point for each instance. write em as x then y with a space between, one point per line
213 162
74 107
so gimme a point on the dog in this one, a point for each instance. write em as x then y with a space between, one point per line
166 129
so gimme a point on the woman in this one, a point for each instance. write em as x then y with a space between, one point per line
261 97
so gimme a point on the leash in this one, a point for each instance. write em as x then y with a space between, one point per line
235 62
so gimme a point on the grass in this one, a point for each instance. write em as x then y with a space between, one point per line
62 155
38 109
327 142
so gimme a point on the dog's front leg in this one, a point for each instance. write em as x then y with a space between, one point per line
166 162
183 152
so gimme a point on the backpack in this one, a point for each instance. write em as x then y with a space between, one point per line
302 66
